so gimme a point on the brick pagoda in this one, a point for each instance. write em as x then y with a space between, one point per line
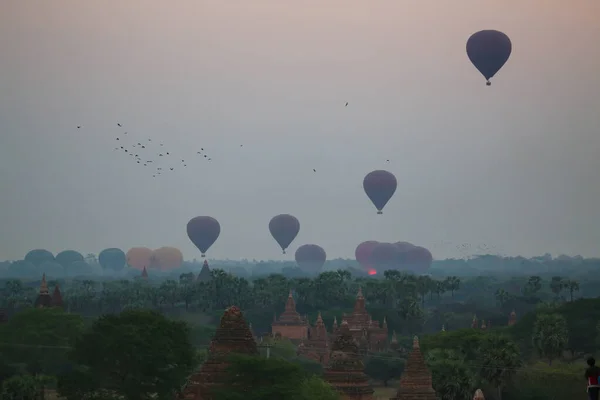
43 299
345 372
415 382
478 395
290 324
316 346
232 336
57 300
364 329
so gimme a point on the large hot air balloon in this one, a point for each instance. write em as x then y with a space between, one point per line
203 232
167 258
363 254
384 256
488 51
310 257
284 228
418 259
139 257
112 258
380 187
38 256
65 258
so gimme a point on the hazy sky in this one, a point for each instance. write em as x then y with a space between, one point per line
514 165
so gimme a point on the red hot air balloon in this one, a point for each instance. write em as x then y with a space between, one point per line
284 228
203 232
384 256
418 259
363 254
380 186
489 50
310 257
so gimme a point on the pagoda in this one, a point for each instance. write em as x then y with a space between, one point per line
290 324
316 347
204 275
345 372
363 328
43 299
144 274
512 318
232 336
478 395
475 322
57 300
415 382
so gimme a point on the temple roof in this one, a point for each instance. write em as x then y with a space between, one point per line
415 382
57 300
204 275
43 299
290 316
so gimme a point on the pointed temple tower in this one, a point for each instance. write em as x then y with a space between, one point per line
345 372
57 300
475 322
512 318
415 382
363 328
204 275
316 347
43 299
232 336
144 274
290 324
478 395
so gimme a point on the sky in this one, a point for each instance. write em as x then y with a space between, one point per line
261 85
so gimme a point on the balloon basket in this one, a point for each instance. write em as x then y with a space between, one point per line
283 251
203 255
488 83
379 212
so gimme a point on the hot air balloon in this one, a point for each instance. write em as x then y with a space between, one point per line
284 228
167 258
112 258
139 257
488 51
380 187
203 232
417 259
384 256
38 256
310 257
363 254
65 258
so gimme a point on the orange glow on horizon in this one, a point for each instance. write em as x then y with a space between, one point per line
372 272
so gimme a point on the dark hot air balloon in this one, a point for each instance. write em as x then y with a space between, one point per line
284 228
363 254
112 258
38 256
384 256
203 232
380 187
488 51
418 259
67 257
310 257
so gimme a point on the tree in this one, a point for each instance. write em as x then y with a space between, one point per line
550 336
452 379
557 284
316 388
384 366
40 338
20 387
135 354
533 285
502 297
573 286
453 284
499 361
258 378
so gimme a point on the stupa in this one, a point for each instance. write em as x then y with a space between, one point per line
415 382
43 299
290 324
345 372
204 275
478 395
232 336
57 300
316 347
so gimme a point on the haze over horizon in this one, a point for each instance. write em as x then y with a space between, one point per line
512 166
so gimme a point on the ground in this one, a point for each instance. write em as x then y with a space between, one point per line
385 393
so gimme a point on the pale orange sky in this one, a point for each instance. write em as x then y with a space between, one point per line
513 165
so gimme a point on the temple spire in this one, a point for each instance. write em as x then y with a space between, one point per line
44 286
415 382
144 273
290 305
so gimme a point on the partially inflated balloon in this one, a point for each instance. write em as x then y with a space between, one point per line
489 50
112 258
417 259
38 256
203 232
284 228
363 254
67 257
310 257
167 258
380 186
384 256
139 257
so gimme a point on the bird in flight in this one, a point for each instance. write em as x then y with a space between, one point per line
78 126
314 170
346 104
119 125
